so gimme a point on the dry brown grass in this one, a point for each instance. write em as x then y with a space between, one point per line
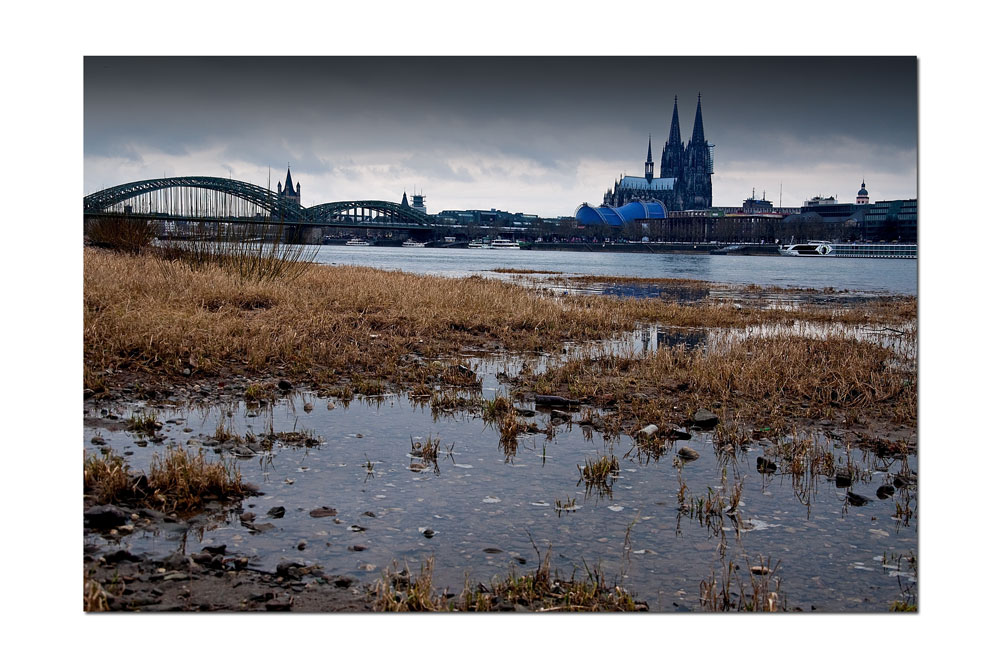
177 481
95 598
770 379
146 316
121 234
525 271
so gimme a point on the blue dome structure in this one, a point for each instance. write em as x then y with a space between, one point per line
620 215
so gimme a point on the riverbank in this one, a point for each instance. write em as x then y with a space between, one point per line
417 454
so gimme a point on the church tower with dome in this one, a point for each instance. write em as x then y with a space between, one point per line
862 194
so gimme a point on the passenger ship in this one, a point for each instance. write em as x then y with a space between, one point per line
834 249
354 242
504 244
410 243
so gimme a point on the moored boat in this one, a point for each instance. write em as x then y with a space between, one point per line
837 249
505 244
410 243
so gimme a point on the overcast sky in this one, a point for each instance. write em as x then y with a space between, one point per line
538 135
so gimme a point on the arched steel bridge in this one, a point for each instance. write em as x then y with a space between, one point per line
207 198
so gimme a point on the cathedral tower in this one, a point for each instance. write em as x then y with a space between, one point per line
672 161
698 167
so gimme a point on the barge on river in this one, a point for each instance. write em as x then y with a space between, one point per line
834 249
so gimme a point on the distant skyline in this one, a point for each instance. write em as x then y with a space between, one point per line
533 134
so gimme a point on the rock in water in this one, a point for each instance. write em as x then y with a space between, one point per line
885 491
857 499
276 512
675 432
284 385
765 466
705 419
687 454
322 511
649 430
105 516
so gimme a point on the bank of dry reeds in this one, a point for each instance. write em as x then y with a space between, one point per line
145 315
248 253
771 379
121 233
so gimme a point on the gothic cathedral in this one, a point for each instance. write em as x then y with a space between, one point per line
685 181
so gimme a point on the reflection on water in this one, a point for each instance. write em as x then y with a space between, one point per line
479 506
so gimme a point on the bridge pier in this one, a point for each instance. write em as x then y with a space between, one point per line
304 234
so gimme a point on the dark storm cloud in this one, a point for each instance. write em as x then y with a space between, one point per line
464 120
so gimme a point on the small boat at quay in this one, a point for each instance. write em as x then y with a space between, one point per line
836 249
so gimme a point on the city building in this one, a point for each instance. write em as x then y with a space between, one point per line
894 220
685 180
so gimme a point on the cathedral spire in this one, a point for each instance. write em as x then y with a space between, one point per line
698 135
675 127
649 159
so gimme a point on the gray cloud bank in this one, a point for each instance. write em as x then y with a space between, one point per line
533 134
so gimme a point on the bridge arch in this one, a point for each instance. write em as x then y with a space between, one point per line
107 200
337 210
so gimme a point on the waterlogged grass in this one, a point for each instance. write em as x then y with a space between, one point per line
539 592
179 480
770 381
752 588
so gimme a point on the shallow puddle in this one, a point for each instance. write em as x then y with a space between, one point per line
480 511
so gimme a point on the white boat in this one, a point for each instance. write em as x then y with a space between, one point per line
355 242
410 243
504 244
480 244
836 249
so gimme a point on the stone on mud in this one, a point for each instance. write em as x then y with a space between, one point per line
705 419
105 516
545 399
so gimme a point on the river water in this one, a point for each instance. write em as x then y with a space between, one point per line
896 276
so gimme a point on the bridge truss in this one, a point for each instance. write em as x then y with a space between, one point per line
207 198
